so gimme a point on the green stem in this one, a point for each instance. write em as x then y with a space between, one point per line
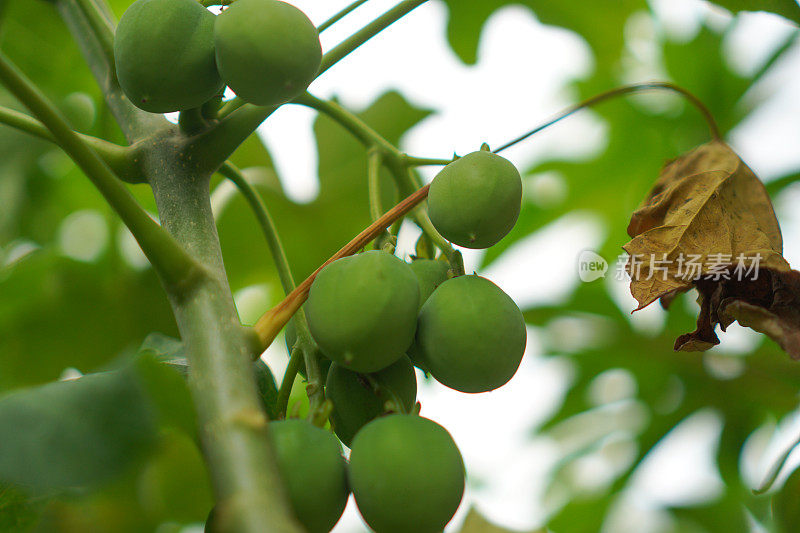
340 15
287 383
266 223
230 106
621 91
425 161
374 164
176 267
119 158
368 32
207 151
191 121
101 26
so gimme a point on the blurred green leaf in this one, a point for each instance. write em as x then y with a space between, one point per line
786 8
17 511
475 522
74 433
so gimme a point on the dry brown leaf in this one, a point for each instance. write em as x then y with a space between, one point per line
705 206
709 206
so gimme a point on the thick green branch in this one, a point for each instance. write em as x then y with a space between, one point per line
368 32
121 159
175 266
209 150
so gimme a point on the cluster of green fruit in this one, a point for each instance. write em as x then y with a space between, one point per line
174 55
405 473
375 317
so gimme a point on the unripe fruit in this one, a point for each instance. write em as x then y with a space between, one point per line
268 51
314 472
407 475
471 335
356 401
362 310
164 55
475 200
430 274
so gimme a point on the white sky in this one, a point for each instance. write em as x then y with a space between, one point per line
494 101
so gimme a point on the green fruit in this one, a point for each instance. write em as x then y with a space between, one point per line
290 338
475 200
430 274
267 389
471 335
407 475
314 471
362 310
268 52
356 401
164 54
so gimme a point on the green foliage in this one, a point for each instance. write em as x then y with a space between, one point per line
471 335
358 399
311 463
475 201
362 310
74 433
268 51
407 474
785 8
786 504
164 55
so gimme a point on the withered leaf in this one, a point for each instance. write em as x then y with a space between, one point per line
705 205
710 212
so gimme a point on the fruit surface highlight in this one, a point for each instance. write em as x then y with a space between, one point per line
314 472
164 55
475 200
407 475
362 310
268 51
358 399
471 335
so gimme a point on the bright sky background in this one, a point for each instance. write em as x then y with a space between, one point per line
494 101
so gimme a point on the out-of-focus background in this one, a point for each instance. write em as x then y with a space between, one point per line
603 428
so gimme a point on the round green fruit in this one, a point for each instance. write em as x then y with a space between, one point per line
358 399
164 55
407 475
475 200
471 335
430 274
314 472
362 310
268 52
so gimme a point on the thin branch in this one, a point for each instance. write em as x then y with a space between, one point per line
368 32
621 91
119 158
176 267
273 320
340 15
265 222
374 164
288 381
